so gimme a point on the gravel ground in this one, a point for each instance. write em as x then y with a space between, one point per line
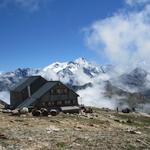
102 130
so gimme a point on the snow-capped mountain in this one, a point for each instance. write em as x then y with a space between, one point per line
96 84
8 79
136 80
78 73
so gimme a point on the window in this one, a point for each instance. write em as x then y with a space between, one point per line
43 104
74 102
46 103
59 102
49 104
52 91
65 91
53 103
59 91
67 102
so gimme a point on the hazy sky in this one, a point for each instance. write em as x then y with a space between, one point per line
34 33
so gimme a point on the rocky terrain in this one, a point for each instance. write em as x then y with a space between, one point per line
103 129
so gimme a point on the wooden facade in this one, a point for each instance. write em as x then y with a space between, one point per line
36 92
56 97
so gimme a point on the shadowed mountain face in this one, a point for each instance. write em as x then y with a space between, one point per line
9 79
135 79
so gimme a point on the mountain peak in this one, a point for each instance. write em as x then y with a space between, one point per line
81 60
139 71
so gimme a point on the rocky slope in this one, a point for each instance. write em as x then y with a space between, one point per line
104 129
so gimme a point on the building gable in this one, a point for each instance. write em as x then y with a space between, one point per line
24 83
25 89
47 87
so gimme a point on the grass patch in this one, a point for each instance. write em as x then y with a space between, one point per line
140 121
131 147
60 145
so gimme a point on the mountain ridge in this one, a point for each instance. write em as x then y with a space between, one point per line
82 75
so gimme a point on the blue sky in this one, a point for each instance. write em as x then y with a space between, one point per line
37 34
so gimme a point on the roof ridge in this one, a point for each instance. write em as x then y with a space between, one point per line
23 82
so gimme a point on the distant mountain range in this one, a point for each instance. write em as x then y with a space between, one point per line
78 72
134 85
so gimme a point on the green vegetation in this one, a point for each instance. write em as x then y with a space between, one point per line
137 120
60 145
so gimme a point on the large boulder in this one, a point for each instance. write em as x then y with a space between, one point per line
36 112
44 112
15 112
24 110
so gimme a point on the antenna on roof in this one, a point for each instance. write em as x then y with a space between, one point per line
29 91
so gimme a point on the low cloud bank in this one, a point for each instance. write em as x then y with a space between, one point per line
94 96
5 96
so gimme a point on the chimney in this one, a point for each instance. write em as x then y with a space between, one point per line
29 91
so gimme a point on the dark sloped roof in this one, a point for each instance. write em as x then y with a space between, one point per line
45 88
27 102
39 93
24 83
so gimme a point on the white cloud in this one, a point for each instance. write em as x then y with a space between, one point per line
93 96
49 74
31 5
135 2
123 37
5 96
